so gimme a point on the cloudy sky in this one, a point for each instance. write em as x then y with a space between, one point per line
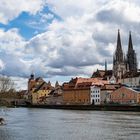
60 39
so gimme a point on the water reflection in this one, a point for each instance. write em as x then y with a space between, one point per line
45 124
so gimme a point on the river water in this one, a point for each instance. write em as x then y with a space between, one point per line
47 124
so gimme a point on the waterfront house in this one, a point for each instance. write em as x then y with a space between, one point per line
77 95
77 90
38 89
106 89
41 92
95 98
125 95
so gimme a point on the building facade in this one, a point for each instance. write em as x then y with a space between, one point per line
106 90
41 92
125 95
76 96
78 91
95 95
38 89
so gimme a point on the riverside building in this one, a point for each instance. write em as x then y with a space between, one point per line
78 90
95 98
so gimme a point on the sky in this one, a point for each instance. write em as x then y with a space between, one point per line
60 39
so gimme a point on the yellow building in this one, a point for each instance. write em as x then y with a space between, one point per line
41 92
38 89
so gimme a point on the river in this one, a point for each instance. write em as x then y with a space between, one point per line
47 124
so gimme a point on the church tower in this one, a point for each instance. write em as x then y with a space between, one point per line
31 82
119 63
131 57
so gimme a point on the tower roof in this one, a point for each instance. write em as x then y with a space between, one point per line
119 45
105 65
130 44
118 56
32 76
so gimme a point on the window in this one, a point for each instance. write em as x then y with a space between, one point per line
123 95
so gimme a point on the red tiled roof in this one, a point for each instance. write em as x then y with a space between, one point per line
84 82
110 86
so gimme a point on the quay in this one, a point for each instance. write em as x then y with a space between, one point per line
135 108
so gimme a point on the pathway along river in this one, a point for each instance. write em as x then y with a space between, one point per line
47 124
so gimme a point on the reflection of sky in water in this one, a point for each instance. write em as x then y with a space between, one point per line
45 124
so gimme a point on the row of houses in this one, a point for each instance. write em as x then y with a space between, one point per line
42 92
117 95
97 91
77 90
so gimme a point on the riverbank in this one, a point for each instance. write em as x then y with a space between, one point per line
88 107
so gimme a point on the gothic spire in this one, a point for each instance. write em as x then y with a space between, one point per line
119 66
119 45
130 44
119 53
131 56
105 65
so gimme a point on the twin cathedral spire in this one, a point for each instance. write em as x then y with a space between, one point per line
122 63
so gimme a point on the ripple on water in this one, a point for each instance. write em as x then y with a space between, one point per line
47 124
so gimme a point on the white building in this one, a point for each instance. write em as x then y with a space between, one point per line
95 95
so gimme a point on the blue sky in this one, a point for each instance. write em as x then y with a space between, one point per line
59 39
30 25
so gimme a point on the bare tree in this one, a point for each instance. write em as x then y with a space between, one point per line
6 84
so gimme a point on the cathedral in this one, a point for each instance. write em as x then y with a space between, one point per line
121 63
125 69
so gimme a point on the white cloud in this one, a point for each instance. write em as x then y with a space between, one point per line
76 45
74 8
80 39
1 65
19 82
10 9
11 41
129 9
126 9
